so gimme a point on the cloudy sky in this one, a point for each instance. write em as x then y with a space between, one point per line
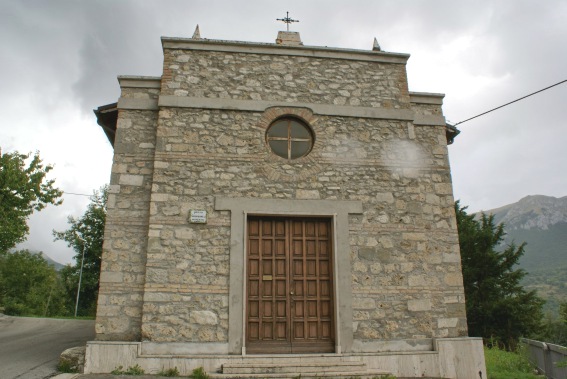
60 60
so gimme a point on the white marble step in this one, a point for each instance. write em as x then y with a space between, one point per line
359 374
292 367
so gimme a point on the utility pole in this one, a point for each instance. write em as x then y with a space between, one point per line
80 273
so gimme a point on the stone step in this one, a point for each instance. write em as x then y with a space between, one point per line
283 358
359 374
292 367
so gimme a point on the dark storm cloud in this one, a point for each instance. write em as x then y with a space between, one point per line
36 48
518 150
116 38
523 39
123 38
61 58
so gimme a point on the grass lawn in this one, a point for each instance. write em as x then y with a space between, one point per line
501 364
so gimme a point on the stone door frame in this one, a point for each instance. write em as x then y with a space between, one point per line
337 210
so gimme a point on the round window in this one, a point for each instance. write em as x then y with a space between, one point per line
289 138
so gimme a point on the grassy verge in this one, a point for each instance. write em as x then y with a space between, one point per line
502 364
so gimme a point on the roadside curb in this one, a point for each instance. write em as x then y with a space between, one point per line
108 376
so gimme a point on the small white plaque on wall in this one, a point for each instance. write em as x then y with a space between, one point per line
198 216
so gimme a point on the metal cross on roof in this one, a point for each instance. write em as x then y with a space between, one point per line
287 20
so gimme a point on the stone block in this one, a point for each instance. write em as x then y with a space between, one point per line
447 322
204 318
380 255
307 194
386 242
414 237
131 180
156 275
73 359
159 197
419 305
385 197
444 188
363 303
111 277
451 258
454 279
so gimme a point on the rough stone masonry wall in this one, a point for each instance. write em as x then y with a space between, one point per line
284 78
406 279
120 296
406 268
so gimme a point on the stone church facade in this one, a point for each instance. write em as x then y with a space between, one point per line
279 203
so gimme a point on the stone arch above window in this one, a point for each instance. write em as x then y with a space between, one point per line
288 131
289 138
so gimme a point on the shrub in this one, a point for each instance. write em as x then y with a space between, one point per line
66 367
132 370
199 373
170 372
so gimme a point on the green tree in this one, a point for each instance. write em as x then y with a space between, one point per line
554 330
85 236
498 307
24 189
29 286
563 312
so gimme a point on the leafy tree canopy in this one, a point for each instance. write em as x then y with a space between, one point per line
24 189
85 234
29 286
498 307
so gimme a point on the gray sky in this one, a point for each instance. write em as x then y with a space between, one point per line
60 60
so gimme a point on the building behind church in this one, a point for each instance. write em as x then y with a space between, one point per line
280 205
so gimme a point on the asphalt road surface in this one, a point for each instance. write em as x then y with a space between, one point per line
30 347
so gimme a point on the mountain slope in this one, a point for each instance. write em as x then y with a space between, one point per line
58 266
541 222
532 212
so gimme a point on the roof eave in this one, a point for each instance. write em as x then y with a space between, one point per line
106 117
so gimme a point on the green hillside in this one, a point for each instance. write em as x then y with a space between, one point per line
541 222
550 283
546 248
546 262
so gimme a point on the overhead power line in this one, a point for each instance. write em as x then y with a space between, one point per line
511 102
78 194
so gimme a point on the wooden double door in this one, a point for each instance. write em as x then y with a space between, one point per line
289 305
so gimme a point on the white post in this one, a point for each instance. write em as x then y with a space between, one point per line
80 275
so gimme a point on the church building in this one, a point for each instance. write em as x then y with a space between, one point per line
277 209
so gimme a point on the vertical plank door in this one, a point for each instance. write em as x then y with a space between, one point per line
289 286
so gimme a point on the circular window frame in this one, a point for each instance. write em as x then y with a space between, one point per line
293 130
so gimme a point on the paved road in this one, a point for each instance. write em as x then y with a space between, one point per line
30 347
